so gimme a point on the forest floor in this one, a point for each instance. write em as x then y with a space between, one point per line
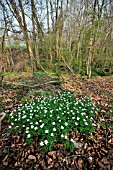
97 151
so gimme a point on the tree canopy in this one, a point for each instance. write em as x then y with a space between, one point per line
75 34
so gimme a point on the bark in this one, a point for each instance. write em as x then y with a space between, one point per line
34 43
88 67
48 25
91 43
60 17
23 26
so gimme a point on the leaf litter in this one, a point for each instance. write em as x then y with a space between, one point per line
95 152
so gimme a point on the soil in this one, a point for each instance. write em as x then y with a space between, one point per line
96 152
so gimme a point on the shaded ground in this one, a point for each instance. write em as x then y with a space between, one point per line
96 153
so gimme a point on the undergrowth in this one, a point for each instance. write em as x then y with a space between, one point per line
52 118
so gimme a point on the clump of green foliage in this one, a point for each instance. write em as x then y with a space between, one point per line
51 118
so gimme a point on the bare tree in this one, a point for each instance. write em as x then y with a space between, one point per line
77 32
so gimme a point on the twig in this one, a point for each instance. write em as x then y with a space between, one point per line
68 66
2 115
78 155
50 82
106 133
42 167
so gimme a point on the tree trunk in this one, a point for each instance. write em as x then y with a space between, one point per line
23 26
91 43
48 25
88 65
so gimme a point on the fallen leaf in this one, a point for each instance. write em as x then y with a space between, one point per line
101 166
77 145
31 157
105 161
52 154
5 163
49 160
16 164
80 163
103 150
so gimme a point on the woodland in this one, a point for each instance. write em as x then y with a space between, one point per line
56 84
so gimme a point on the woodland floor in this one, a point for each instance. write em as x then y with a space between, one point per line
96 153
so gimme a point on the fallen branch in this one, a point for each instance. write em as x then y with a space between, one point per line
23 85
33 86
51 82
68 66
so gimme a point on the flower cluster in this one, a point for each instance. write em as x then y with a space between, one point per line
53 117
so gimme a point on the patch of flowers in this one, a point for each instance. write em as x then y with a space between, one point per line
53 118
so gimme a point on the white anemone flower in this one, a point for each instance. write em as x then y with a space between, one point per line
46 142
86 123
42 125
94 124
83 113
65 137
62 127
35 128
62 136
32 126
46 131
41 143
54 129
53 123
28 136
76 123
52 134
66 124
91 118
45 111
24 117
78 118
12 113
